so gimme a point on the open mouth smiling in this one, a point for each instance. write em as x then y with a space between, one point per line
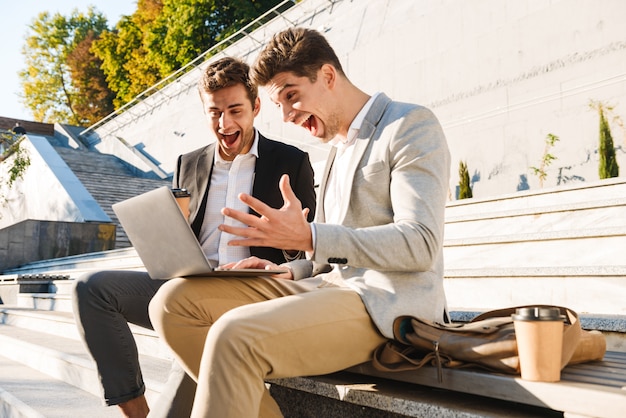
309 123
229 138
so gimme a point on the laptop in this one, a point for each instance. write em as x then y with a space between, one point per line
165 241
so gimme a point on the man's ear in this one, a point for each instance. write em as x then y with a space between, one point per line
257 106
329 75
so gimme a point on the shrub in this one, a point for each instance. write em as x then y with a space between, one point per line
465 188
546 159
607 164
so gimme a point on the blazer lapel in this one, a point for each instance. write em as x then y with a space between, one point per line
366 132
265 164
203 169
320 216
202 173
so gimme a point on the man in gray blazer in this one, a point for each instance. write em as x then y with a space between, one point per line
240 160
374 250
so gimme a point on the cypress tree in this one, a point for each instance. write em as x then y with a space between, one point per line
465 189
608 163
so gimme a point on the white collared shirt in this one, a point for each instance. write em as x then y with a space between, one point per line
228 179
336 186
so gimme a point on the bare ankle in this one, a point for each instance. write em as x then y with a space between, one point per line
135 408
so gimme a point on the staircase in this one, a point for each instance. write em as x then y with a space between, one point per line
562 246
109 180
45 371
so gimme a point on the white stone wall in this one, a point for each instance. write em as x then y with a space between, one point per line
500 75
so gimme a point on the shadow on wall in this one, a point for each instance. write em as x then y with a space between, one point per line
523 183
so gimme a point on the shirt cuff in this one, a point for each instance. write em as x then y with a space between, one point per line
309 255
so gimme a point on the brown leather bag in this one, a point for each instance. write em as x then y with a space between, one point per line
487 341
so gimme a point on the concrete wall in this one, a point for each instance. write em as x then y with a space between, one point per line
500 74
33 240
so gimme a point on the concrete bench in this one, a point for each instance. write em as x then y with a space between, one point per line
595 389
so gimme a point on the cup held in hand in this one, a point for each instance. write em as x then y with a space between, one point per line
182 198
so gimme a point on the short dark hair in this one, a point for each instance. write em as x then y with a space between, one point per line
227 72
298 50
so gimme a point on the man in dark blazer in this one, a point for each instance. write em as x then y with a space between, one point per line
241 160
194 171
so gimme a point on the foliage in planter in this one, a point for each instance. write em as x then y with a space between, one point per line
546 159
465 188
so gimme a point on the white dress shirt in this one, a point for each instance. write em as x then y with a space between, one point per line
228 179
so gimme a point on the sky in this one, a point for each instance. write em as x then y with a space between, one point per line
18 15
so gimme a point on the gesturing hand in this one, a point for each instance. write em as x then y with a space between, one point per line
285 228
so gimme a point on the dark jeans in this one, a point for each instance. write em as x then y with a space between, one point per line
104 303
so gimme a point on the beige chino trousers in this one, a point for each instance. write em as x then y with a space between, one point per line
230 334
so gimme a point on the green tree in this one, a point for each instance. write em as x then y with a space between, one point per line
607 165
125 61
164 35
48 88
465 188
95 100
187 28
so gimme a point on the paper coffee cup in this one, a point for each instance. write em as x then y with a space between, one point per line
182 198
539 334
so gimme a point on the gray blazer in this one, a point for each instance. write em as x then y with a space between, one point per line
391 234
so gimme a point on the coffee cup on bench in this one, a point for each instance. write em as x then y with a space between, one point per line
539 334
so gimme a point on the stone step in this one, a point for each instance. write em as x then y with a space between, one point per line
62 324
45 301
28 393
578 216
74 265
65 360
594 290
109 180
58 323
590 247
83 160
564 248
564 196
598 290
